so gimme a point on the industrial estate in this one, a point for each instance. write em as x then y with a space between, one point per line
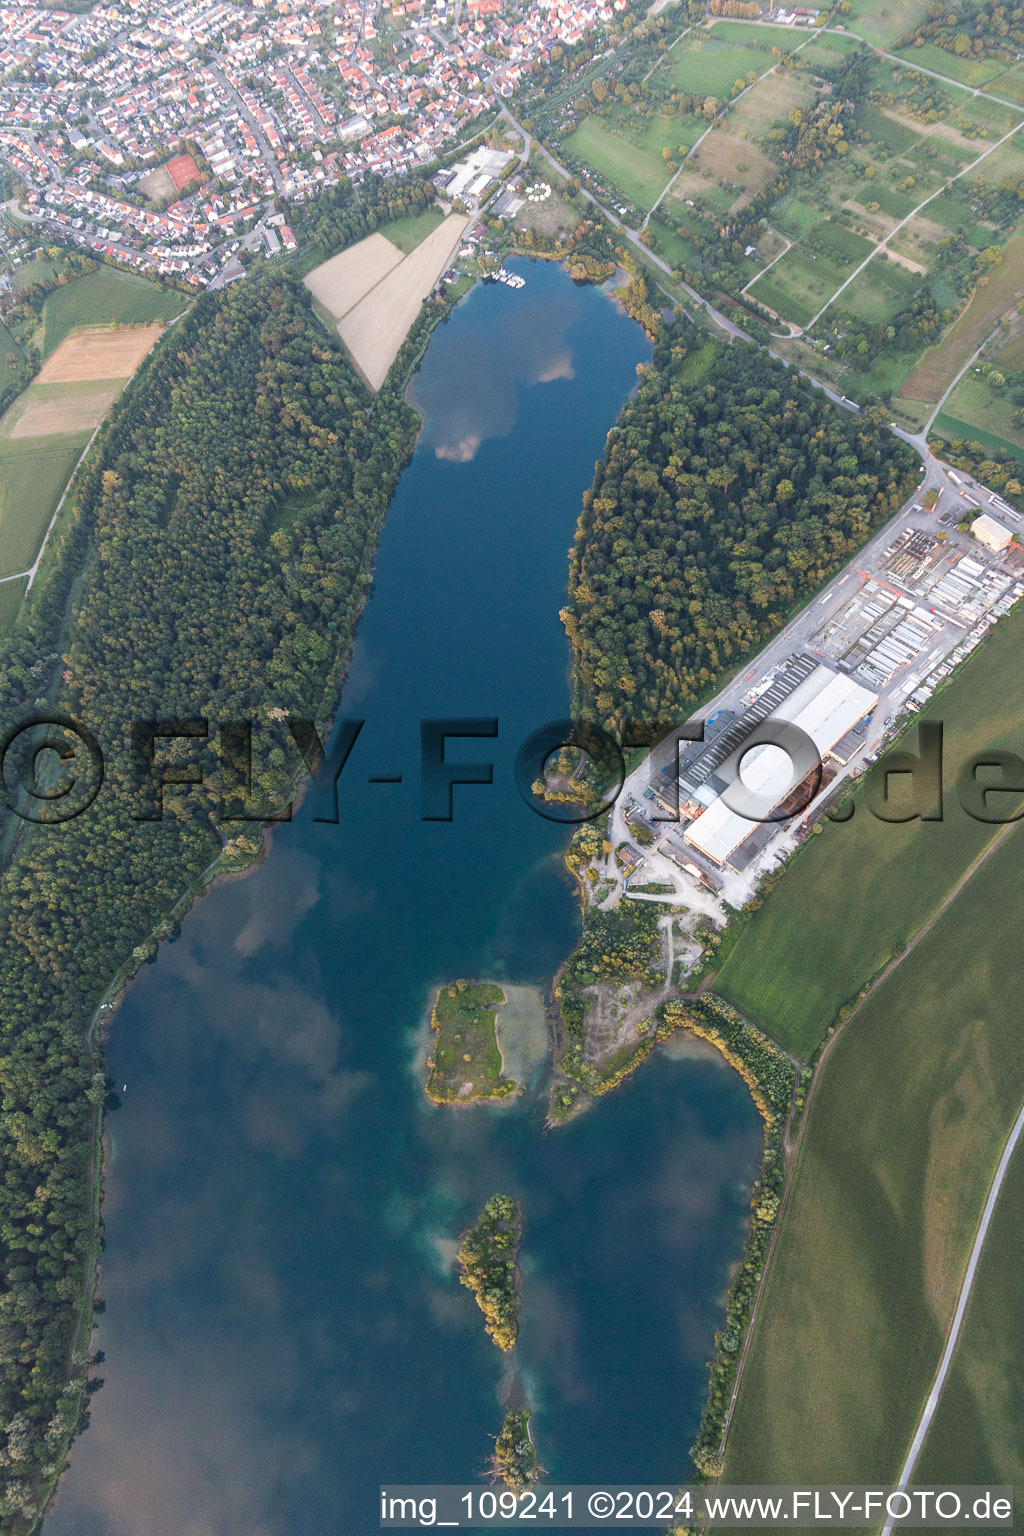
868 653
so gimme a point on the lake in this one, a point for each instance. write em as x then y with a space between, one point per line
283 1331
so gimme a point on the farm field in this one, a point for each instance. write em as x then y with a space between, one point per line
826 49
861 888
949 427
408 232
634 166
106 297
33 474
972 72
673 247
1010 356
883 22
375 327
707 66
974 402
880 291
99 355
45 412
75 386
942 362
43 432
11 596
770 101
803 280
1010 84
343 280
906 1128
974 1435
758 35
737 161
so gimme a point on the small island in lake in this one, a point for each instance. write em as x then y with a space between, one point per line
465 1062
488 1041
487 1259
514 1461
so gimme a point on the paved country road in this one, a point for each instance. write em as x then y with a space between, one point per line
961 1308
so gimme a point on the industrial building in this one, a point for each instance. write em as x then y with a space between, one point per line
826 705
992 534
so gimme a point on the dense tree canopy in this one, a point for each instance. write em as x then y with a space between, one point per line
213 567
728 492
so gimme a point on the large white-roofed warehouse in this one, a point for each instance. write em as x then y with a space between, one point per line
825 707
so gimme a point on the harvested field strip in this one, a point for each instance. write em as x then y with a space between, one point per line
944 361
99 354
374 329
343 280
36 416
106 297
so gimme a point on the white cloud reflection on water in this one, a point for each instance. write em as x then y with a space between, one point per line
478 399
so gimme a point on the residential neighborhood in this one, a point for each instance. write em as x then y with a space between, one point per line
153 135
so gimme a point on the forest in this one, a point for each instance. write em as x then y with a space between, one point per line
980 28
728 492
212 568
487 1261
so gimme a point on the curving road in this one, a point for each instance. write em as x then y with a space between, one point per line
932 1401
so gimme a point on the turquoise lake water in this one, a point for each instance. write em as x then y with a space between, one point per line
283 1331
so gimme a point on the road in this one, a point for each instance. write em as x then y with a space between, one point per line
932 1401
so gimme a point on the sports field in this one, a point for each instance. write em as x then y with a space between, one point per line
106 297
859 889
904 1135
